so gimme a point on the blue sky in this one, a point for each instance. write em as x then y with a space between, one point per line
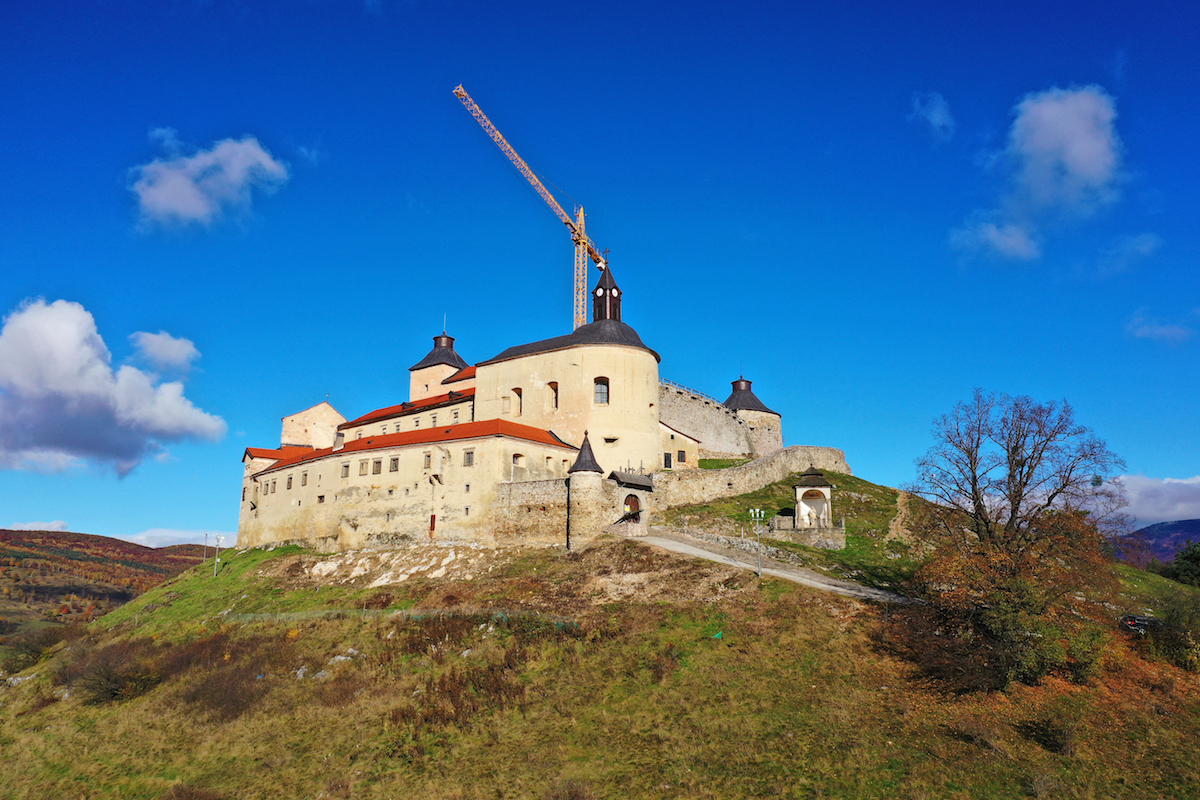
214 214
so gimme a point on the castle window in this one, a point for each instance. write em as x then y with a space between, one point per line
681 456
428 460
553 394
610 441
383 429
467 511
666 460
346 469
467 489
289 481
243 492
416 422
320 498
273 487
395 465
362 467
602 391
304 479
397 427
359 436
468 458
377 466
517 403
454 421
549 462
433 420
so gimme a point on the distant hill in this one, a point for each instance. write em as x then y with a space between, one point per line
58 576
1162 540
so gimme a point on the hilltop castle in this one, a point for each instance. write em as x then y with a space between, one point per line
553 439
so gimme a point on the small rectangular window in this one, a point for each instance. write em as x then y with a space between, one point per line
417 422
383 429
362 467
553 394
358 435
467 489
468 458
454 419
428 460
681 456
320 498
395 465
397 427
467 511
273 487
377 466
346 470
304 479
433 420
289 481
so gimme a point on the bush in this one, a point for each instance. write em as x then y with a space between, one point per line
27 648
118 671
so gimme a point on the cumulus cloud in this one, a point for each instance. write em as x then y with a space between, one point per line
56 525
165 351
62 403
1141 326
1063 163
1122 254
181 189
1154 500
933 112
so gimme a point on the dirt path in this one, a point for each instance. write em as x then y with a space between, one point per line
788 572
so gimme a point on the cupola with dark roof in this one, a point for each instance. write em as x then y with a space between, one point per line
742 399
442 353
606 298
586 460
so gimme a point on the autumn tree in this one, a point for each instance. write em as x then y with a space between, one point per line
1021 498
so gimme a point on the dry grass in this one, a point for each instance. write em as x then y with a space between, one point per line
566 697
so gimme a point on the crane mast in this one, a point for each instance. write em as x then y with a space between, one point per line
584 247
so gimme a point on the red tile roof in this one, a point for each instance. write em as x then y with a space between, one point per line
277 453
464 374
451 433
409 408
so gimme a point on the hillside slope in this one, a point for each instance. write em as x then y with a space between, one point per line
618 672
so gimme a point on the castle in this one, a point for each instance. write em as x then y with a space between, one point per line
544 442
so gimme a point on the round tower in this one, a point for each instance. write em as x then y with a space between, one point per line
766 426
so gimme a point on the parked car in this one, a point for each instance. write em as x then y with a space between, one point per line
1139 624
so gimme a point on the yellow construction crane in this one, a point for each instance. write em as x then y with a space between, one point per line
584 248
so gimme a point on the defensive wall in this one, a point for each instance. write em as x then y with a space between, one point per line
672 489
720 431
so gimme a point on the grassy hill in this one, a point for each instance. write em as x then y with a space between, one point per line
55 577
616 672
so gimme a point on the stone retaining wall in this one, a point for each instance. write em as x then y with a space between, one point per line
674 489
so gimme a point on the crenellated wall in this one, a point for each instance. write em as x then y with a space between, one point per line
721 432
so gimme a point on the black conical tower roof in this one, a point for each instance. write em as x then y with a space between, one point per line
442 353
742 399
586 460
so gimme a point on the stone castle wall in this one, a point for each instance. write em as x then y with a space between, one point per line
720 431
672 489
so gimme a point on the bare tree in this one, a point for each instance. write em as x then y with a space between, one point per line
1001 466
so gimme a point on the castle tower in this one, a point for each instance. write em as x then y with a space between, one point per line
606 298
766 426
426 376
585 496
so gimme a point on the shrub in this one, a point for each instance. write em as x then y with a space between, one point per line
117 671
27 648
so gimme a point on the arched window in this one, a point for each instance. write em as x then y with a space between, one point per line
517 402
602 391
553 394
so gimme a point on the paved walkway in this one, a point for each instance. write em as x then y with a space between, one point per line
806 577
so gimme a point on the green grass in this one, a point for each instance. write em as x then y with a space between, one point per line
722 463
636 700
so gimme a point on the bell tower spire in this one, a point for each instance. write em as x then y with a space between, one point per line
606 298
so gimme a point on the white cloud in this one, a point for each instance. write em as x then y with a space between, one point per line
1122 254
931 109
1007 239
61 403
56 525
1141 326
1154 500
1064 163
165 537
165 351
182 189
